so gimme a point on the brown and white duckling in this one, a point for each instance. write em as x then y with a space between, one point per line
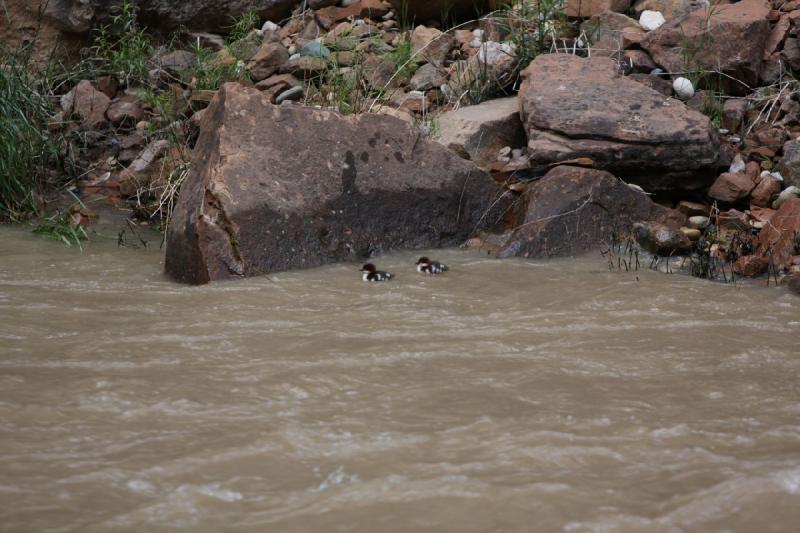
372 274
426 266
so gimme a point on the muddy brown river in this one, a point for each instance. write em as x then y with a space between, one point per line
507 396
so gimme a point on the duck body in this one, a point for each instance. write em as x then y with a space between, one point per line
370 273
426 266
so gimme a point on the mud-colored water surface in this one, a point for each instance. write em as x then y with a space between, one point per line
504 396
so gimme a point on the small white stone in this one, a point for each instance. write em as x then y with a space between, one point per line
738 165
651 20
683 88
699 222
786 194
292 50
270 26
294 56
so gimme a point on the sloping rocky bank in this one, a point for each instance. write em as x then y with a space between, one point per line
348 128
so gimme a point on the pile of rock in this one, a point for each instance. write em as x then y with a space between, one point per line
681 102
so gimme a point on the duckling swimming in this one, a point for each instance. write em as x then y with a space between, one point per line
372 274
426 266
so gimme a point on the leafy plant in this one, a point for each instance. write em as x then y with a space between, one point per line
243 25
59 226
530 24
26 148
343 88
401 57
125 51
212 71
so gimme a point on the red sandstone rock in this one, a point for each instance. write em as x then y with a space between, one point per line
589 8
779 237
88 104
127 110
578 107
750 265
282 187
731 38
766 191
573 209
730 187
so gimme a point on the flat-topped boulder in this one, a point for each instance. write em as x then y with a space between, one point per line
581 107
282 187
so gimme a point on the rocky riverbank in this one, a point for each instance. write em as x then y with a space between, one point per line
332 130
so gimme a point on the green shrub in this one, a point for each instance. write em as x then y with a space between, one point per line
126 51
26 148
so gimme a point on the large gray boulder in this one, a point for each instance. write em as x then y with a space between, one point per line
580 107
572 210
283 187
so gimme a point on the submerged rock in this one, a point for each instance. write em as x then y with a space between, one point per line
579 107
282 187
573 210
660 239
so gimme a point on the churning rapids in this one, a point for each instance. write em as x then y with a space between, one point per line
505 396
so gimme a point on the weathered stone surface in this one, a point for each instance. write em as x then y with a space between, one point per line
789 164
86 102
793 282
430 45
422 11
276 188
691 209
656 83
732 39
660 239
327 17
637 61
733 113
731 187
145 169
766 191
778 238
478 132
750 265
202 15
670 9
427 77
304 67
573 210
787 194
178 61
590 8
609 33
50 29
127 110
268 60
579 107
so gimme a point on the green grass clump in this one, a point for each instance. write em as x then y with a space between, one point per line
127 51
243 25
530 26
26 148
57 226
